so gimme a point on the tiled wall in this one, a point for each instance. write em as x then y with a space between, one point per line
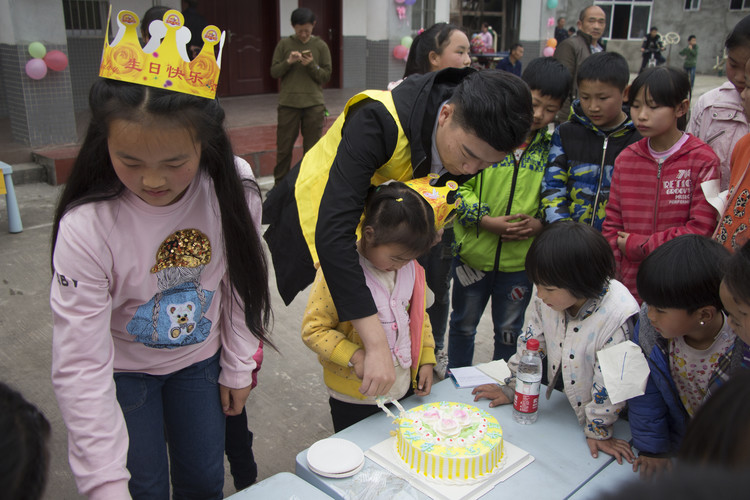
85 55
377 65
354 62
40 111
3 105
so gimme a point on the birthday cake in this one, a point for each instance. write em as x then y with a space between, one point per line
450 441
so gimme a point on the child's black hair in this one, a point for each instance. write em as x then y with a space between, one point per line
683 273
155 13
515 46
719 433
303 15
691 37
398 214
24 452
93 178
572 256
434 39
607 67
495 106
549 76
740 34
666 86
737 274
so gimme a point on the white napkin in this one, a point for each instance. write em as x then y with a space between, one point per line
625 371
716 198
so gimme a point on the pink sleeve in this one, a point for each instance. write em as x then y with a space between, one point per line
82 365
613 215
241 353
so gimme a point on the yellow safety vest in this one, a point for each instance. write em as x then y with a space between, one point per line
316 166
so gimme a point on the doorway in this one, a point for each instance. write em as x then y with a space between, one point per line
252 30
328 27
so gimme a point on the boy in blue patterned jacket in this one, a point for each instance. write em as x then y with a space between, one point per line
582 155
496 223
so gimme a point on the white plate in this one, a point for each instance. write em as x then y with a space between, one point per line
335 456
340 475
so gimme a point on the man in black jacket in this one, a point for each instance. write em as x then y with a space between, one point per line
453 122
652 46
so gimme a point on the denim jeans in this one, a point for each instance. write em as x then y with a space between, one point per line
510 294
437 265
691 75
181 410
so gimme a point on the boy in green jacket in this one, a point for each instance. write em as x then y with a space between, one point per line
690 53
496 223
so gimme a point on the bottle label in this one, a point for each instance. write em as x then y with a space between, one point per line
526 399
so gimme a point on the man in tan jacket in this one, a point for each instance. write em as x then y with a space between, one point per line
574 50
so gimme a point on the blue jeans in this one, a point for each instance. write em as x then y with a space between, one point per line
181 410
691 75
510 294
437 265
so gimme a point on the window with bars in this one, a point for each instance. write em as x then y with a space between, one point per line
692 4
422 14
739 4
85 17
626 19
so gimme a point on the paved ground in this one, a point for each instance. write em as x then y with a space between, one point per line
288 410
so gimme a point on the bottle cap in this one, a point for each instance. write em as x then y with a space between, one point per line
532 345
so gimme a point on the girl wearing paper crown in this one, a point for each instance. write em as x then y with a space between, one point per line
401 222
160 292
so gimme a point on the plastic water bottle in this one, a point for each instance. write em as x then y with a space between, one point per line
528 381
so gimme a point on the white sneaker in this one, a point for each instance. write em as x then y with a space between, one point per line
442 364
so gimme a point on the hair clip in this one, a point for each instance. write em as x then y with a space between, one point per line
399 199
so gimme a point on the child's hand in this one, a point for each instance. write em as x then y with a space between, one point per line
622 241
651 466
525 228
503 225
616 447
294 56
358 363
424 380
491 392
233 400
438 236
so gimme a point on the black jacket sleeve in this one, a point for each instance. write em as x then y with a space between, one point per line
368 140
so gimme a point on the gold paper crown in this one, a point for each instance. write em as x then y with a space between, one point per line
442 199
166 66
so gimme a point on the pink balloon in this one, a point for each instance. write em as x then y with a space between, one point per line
400 52
56 60
548 51
36 68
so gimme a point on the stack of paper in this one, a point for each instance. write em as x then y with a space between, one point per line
494 372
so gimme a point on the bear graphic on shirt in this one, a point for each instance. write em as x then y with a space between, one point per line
181 319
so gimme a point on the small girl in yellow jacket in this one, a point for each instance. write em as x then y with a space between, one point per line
398 226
